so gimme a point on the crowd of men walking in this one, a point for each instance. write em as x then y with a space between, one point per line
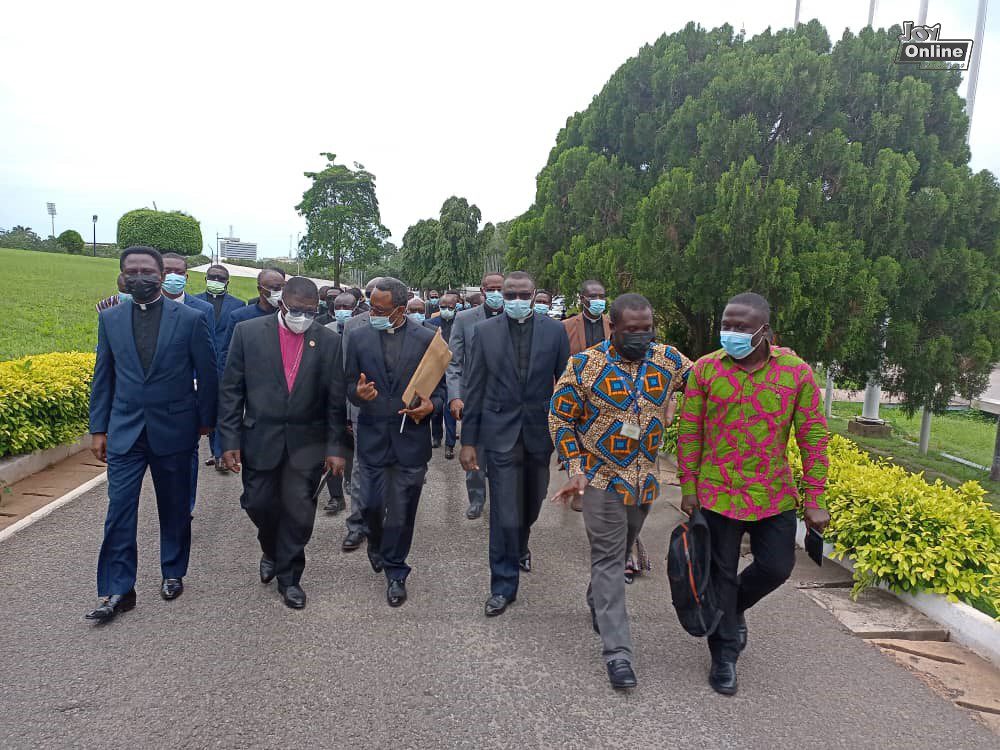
301 389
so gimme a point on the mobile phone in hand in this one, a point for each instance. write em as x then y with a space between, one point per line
814 545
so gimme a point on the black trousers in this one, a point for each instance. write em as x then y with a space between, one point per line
279 501
390 495
772 542
518 483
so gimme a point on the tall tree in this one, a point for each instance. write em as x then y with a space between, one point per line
825 177
343 225
446 251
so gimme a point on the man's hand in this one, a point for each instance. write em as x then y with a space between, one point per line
419 412
99 446
457 408
668 418
204 431
689 504
575 487
366 389
350 429
468 458
816 518
335 465
231 460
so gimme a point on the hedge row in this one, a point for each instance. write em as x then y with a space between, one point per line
44 400
167 231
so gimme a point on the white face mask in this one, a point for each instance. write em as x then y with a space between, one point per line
274 298
297 323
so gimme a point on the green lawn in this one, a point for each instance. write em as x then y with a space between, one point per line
48 304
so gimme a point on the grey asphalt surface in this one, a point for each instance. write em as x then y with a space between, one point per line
228 665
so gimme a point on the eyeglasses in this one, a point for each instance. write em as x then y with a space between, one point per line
511 296
380 312
301 313
216 277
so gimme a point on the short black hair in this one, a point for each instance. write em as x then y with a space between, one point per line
628 302
323 290
372 284
755 302
276 269
588 282
300 286
152 252
219 268
455 292
520 276
358 294
265 270
175 256
400 294
346 294
491 273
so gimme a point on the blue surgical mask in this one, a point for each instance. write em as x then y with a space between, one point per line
739 345
416 317
343 316
447 313
518 309
541 308
597 307
174 283
494 300
124 297
380 322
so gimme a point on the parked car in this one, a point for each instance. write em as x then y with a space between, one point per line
557 309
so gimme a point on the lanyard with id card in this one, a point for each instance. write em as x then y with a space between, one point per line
632 430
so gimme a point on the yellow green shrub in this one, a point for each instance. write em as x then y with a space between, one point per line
44 400
909 534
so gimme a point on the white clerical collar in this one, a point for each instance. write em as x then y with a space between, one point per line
145 305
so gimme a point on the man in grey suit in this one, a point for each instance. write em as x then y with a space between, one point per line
357 531
462 337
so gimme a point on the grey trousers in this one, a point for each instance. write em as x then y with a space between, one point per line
612 528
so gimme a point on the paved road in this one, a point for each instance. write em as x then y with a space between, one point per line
227 665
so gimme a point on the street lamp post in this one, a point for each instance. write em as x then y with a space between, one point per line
52 213
95 235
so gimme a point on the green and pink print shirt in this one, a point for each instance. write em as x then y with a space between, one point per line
732 440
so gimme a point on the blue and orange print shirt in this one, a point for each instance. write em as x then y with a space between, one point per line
607 417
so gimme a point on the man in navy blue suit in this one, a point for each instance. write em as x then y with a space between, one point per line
270 282
174 288
145 412
223 303
381 359
515 361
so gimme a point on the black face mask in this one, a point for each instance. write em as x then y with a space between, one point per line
633 346
143 287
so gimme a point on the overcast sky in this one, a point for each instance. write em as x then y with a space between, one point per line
218 108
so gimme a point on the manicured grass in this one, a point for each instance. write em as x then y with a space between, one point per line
933 465
966 434
48 301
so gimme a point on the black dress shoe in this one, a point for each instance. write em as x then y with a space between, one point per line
741 632
221 467
266 569
111 606
497 605
376 562
525 563
449 452
210 462
436 443
352 541
171 588
722 677
334 505
621 675
474 511
293 595
395 594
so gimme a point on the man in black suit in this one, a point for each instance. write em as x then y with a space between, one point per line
282 417
392 462
443 424
515 360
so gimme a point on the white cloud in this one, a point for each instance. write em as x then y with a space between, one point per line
217 108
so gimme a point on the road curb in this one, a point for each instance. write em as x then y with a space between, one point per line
966 625
45 510
15 468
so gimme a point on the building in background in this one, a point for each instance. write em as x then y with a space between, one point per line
233 249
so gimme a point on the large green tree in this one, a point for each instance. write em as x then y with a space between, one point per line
825 177
447 251
343 224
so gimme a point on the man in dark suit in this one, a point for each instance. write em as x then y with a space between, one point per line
281 420
462 337
443 423
392 461
145 412
174 288
515 361
270 282
223 303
